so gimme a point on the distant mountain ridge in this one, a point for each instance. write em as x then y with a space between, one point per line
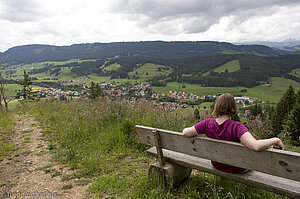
38 53
287 42
287 49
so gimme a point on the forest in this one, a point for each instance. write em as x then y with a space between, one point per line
253 69
39 53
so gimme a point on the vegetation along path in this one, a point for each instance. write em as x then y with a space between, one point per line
30 170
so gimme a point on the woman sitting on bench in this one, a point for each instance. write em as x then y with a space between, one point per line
223 128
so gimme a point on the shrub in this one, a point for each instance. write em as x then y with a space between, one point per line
259 127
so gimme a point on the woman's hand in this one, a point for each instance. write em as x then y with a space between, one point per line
278 143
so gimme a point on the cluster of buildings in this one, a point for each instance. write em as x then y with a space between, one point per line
130 89
56 93
176 95
170 106
133 92
243 99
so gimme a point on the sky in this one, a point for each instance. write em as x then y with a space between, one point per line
67 22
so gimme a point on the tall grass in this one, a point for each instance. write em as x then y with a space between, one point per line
99 139
6 127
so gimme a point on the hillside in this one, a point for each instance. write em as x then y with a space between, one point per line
209 64
38 53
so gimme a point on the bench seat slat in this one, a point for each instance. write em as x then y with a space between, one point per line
268 182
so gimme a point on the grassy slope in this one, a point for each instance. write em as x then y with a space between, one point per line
6 128
296 72
66 73
11 88
273 93
111 67
151 69
231 66
114 158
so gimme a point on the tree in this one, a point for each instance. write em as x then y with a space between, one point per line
26 84
235 118
196 114
226 71
283 108
3 90
256 110
293 121
95 91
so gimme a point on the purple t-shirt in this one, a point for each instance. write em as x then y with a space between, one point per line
229 130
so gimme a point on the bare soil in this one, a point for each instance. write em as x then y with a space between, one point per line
30 172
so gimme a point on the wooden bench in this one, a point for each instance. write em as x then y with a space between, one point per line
272 169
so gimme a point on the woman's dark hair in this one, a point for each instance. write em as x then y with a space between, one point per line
225 105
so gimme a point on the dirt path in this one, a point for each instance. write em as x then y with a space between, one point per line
30 173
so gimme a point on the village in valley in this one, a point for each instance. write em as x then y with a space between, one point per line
133 92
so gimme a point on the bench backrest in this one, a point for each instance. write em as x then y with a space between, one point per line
271 161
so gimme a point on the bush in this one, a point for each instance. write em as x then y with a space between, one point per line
259 127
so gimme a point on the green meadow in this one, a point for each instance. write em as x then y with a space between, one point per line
271 94
231 66
196 89
296 72
13 89
111 67
148 71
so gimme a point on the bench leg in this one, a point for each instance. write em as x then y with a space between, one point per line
170 174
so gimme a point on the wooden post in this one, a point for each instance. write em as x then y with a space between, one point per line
170 175
160 154
163 172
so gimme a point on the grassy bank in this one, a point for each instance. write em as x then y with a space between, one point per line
6 128
99 139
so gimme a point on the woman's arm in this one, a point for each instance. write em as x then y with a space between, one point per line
259 145
189 132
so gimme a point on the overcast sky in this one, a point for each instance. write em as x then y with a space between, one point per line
65 22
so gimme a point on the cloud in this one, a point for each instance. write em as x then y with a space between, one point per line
20 10
192 16
65 22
